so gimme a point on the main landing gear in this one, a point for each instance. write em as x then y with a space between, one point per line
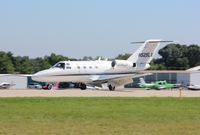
111 88
82 86
49 86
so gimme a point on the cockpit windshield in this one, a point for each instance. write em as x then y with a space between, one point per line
59 65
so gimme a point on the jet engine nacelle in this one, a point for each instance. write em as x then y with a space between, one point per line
122 63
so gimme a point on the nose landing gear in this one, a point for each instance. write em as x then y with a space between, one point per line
111 88
82 86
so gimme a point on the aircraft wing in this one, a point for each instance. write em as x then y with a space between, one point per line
160 87
116 79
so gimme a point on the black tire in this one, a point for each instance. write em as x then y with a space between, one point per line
111 88
83 86
49 86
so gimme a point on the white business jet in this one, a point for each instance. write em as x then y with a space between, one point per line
114 73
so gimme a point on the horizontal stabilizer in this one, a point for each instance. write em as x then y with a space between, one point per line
152 41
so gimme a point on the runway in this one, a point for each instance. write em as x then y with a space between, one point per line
99 93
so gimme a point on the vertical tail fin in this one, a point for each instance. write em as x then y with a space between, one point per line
146 52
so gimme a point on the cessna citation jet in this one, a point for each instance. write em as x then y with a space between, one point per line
114 73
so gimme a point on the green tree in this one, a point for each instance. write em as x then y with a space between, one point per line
173 56
157 64
193 55
53 58
6 65
23 65
87 58
40 64
123 56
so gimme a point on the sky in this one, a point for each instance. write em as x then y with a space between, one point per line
78 28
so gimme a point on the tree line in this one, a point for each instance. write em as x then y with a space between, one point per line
26 65
177 57
172 57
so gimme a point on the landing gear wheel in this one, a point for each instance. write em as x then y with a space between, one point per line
76 85
49 86
111 88
83 86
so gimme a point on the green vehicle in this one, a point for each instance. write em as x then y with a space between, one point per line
157 85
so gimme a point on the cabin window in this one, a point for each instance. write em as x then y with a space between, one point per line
60 65
68 67
90 67
96 67
78 67
84 67
134 64
67 64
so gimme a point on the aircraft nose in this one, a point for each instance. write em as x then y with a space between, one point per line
37 76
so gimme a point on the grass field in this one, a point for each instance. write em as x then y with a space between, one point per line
99 116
